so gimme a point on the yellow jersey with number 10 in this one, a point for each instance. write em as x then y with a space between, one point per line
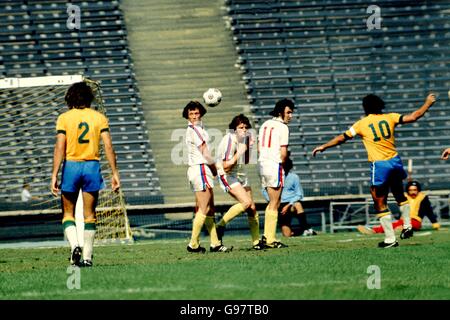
82 128
377 133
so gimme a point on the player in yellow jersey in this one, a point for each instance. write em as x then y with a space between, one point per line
386 169
78 134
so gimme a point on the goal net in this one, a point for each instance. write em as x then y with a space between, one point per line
28 113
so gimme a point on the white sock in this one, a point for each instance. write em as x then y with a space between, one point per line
89 234
404 209
386 223
71 235
88 244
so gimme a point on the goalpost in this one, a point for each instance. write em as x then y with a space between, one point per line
29 108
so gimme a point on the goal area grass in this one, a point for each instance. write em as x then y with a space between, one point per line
345 265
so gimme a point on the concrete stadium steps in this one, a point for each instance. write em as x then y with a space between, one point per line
179 49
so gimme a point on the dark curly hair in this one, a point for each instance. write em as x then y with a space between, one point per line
79 96
413 183
237 120
192 105
288 165
280 106
373 104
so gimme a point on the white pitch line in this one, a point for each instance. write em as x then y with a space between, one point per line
223 286
99 292
422 234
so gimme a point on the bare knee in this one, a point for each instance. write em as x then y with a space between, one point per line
273 205
286 231
247 204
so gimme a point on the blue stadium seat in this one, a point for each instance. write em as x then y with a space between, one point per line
35 41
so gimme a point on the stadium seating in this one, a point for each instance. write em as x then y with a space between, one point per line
322 55
35 41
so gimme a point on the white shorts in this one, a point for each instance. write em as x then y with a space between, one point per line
200 177
227 182
272 174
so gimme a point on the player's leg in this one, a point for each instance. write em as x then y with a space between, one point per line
210 224
402 201
68 202
398 224
238 192
380 172
253 221
380 195
89 204
271 216
305 227
70 186
286 230
215 244
416 224
284 220
92 183
272 177
379 229
202 204
231 185
202 194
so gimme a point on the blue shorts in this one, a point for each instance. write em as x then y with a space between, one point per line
382 171
84 175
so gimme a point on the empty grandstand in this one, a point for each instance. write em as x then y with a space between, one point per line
323 55
36 41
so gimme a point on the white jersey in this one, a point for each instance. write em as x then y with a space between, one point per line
227 149
26 195
273 135
196 135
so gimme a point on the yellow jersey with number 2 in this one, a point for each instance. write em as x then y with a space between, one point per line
82 128
377 133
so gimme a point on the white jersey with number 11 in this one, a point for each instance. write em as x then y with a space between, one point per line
273 135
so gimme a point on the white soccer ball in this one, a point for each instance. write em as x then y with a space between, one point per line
212 97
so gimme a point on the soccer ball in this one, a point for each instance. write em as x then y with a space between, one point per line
212 97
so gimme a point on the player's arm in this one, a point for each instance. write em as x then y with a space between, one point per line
209 159
229 164
284 142
298 189
286 208
340 139
58 157
111 157
445 154
284 153
416 115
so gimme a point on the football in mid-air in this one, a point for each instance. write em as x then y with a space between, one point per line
212 97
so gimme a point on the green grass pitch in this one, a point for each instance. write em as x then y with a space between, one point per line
327 266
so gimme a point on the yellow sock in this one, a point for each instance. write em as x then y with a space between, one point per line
270 225
253 223
197 225
211 227
232 213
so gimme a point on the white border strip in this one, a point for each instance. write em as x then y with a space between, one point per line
8 83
